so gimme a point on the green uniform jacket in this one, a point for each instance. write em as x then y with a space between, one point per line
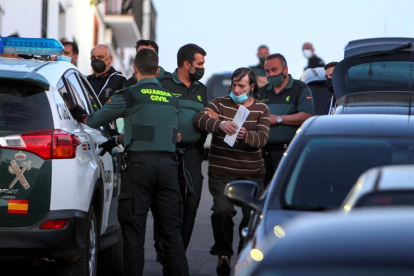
191 101
150 114
294 98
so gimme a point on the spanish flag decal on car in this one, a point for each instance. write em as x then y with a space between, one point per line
18 206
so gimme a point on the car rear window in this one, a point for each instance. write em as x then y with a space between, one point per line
393 72
326 168
23 108
385 75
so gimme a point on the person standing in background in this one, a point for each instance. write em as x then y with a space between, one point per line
106 80
290 102
313 60
262 53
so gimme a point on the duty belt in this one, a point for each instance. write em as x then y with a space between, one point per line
185 146
133 156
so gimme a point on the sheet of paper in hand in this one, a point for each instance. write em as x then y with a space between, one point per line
239 119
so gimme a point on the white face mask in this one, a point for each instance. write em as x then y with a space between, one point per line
307 53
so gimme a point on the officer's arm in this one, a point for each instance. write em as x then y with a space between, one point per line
202 121
259 137
306 109
111 110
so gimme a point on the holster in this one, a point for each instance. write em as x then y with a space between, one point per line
184 176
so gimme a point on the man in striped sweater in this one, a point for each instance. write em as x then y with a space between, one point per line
226 163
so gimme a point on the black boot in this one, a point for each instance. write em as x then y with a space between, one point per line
223 266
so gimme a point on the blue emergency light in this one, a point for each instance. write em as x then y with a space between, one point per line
30 46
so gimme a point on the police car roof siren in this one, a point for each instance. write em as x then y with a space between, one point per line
30 46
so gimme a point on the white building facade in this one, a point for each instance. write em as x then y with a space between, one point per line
117 23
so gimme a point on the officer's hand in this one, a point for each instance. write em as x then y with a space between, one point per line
228 127
211 114
78 113
107 146
178 137
241 133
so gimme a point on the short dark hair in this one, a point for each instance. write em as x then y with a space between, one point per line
146 61
75 48
241 73
145 42
330 64
262 46
187 53
280 57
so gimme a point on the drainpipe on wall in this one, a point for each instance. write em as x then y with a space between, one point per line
146 19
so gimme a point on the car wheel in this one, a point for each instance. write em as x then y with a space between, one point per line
86 265
110 259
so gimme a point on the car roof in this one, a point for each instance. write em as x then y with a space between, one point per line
346 238
396 177
360 125
41 73
380 44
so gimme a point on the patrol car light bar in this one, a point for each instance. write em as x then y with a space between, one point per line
30 46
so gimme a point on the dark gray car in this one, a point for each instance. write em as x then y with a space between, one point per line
319 168
375 77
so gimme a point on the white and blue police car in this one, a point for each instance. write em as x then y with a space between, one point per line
58 196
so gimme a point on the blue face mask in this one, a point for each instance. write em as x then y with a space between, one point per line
239 99
64 58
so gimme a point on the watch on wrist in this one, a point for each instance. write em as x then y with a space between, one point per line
279 119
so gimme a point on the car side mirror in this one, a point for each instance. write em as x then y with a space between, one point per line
244 192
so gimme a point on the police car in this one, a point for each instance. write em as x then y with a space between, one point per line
58 196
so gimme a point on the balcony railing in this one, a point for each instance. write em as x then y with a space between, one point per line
120 7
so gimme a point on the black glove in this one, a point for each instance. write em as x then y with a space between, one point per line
108 145
78 113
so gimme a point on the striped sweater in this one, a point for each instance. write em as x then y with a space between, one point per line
244 159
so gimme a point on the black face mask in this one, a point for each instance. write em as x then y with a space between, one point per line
197 75
262 60
98 65
329 84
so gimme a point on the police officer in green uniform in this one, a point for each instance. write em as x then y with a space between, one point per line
290 103
150 178
259 70
192 95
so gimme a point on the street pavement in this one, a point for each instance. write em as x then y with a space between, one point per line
199 259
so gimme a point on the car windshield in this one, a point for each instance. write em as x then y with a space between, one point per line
23 108
326 168
387 73
387 198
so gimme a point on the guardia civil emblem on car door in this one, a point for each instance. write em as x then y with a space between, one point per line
15 169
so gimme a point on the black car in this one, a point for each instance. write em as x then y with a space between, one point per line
370 242
320 167
375 76
218 85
